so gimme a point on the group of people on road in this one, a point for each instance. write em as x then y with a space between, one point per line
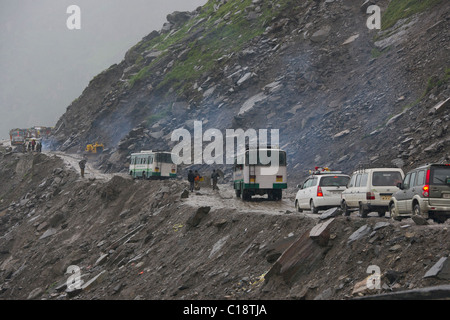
33 145
195 177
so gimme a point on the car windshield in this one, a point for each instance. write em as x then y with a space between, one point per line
440 175
386 178
334 181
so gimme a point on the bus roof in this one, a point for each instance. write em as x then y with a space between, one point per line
148 152
258 149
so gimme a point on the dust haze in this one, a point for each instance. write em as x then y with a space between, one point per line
45 66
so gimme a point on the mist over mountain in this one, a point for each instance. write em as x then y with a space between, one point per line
45 66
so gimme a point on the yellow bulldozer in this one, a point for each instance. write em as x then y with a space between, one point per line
95 148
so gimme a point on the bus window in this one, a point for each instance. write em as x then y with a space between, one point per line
163 157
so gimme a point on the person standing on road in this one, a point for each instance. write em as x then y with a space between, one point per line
214 177
197 180
82 165
191 180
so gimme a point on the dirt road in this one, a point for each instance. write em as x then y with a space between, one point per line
225 198
71 160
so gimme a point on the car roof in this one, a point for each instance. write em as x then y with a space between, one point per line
377 169
428 165
327 174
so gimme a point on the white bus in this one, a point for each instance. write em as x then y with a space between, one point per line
152 165
249 178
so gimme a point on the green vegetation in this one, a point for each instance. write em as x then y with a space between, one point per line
377 53
157 116
400 9
221 33
434 82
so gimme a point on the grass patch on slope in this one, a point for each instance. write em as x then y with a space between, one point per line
401 9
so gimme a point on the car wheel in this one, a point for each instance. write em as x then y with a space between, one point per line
297 207
392 213
416 210
344 208
313 207
362 211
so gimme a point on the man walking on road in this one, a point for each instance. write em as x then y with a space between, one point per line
82 165
191 180
214 177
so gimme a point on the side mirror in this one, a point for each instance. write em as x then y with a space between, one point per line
299 186
400 185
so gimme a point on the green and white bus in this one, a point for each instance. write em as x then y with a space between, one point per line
152 165
250 179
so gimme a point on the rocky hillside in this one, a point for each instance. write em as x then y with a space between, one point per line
133 240
339 93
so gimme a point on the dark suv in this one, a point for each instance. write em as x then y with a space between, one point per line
424 191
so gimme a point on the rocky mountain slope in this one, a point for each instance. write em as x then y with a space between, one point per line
340 93
149 240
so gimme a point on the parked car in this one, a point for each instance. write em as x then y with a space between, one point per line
371 190
425 191
321 191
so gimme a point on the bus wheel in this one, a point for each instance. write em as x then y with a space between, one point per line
278 195
246 195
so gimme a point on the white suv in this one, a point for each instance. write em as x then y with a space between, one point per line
371 190
321 191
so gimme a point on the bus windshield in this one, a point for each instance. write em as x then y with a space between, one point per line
255 154
163 157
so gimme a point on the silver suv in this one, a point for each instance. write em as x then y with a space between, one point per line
424 191
371 190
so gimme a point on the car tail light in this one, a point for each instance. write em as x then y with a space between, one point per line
370 196
319 192
426 187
